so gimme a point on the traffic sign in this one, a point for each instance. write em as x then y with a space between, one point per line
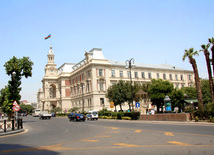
15 103
111 104
137 104
16 107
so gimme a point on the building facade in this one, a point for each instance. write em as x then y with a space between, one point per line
85 84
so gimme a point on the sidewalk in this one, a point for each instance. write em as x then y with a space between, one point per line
164 122
9 130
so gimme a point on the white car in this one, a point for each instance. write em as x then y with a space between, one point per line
92 115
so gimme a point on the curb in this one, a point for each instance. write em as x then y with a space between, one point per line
11 132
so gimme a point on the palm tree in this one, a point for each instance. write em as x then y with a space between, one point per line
190 53
207 57
211 40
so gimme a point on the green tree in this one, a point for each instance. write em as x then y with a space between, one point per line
189 92
158 90
205 88
177 99
26 108
3 95
19 67
117 94
211 41
55 110
74 109
190 53
207 58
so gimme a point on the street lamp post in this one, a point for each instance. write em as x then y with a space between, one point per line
13 76
130 64
82 86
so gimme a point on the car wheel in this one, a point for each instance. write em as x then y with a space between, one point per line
75 119
70 119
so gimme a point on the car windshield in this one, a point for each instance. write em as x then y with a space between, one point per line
94 112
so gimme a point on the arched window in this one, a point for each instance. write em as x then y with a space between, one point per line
52 91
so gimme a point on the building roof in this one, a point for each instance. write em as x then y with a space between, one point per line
161 66
96 53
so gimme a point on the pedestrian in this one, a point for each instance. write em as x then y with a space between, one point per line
2 116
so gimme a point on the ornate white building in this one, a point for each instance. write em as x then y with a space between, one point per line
85 83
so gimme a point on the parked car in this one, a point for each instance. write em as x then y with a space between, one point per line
53 114
92 115
76 117
22 114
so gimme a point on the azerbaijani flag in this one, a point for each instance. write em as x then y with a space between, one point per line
48 36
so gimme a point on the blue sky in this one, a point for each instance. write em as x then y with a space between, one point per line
150 31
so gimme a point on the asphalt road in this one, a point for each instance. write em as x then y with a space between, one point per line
104 137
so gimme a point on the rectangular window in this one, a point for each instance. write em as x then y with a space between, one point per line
112 73
100 72
176 76
164 76
128 74
170 76
189 77
101 86
143 74
150 75
181 77
136 74
121 73
158 76
102 101
83 77
88 73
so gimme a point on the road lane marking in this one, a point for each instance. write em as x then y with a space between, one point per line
57 147
114 128
112 132
138 131
168 133
88 140
103 136
126 145
179 143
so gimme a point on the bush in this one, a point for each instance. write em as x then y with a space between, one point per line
103 117
126 118
120 115
62 114
133 115
111 117
196 119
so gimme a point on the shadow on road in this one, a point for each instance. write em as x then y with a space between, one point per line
17 149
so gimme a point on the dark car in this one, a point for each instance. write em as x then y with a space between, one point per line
22 114
76 117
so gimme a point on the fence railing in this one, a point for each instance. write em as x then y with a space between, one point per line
11 125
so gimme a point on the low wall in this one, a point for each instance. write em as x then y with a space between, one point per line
167 117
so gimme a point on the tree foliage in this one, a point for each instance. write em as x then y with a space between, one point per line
177 99
189 92
21 67
158 90
117 93
26 108
190 54
56 110
3 95
205 87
